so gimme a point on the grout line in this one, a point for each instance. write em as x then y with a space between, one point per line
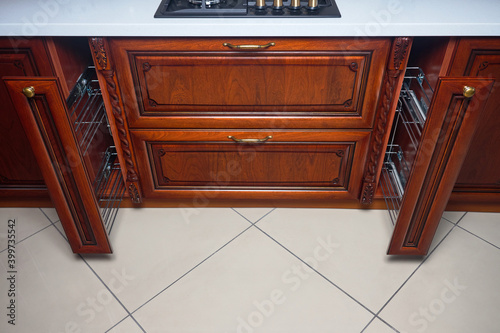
85 261
118 323
470 232
416 269
373 318
460 219
382 320
312 268
59 231
393 328
106 286
452 221
192 269
272 210
45 215
25 238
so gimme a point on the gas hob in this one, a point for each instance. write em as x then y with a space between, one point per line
247 8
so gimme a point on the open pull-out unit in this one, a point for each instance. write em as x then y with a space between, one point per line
409 120
74 148
431 133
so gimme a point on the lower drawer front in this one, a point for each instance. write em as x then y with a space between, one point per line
174 163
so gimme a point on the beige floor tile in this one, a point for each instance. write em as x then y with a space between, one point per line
453 216
456 290
378 326
27 222
126 326
252 285
357 261
484 225
154 247
51 214
253 214
55 291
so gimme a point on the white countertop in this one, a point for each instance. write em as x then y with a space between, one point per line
359 18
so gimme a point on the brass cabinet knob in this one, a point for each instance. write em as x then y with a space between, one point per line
29 91
469 91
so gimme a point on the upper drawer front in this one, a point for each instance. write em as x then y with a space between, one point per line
285 161
297 83
332 84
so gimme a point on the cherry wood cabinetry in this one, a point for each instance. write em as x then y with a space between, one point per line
315 101
294 83
258 120
65 58
478 184
451 122
44 115
287 164
19 171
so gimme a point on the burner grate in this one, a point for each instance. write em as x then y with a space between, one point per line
240 8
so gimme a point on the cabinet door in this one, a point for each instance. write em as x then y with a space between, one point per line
479 179
19 171
44 116
451 122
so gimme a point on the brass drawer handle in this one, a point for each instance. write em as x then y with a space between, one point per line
250 140
249 47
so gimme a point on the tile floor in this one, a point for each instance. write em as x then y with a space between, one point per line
251 270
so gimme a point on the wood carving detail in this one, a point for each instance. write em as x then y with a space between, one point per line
401 45
368 193
146 66
376 146
399 54
348 103
153 103
120 124
134 193
353 66
19 64
483 66
99 52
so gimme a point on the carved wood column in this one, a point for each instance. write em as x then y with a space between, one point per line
116 115
393 80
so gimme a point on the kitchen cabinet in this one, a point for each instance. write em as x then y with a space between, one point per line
478 184
19 171
61 155
316 98
260 121
20 175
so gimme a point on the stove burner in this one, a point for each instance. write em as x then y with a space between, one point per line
247 8
208 3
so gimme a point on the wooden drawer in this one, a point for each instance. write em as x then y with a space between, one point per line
290 164
297 83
